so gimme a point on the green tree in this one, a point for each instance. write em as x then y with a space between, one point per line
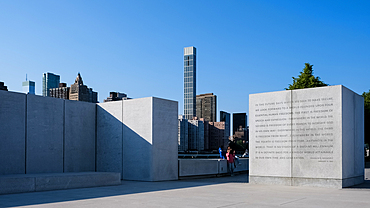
366 96
306 79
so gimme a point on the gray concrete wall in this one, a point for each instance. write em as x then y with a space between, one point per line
44 149
138 139
109 137
79 136
12 132
165 146
352 137
201 167
307 137
45 135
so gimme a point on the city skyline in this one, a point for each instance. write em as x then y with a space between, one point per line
136 48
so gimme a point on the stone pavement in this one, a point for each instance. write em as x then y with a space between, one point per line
205 192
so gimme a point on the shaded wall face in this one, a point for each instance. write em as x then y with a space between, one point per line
45 135
12 132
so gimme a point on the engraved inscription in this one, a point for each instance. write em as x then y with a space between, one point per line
301 129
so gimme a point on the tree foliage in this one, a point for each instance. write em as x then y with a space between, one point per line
306 79
366 96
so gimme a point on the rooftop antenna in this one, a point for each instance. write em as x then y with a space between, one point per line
26 77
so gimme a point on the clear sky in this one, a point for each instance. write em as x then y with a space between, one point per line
136 47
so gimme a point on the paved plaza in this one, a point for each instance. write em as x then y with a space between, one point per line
204 192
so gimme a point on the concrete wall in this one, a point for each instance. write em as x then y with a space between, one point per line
12 132
144 132
308 137
44 149
45 135
109 137
165 147
201 167
136 138
79 136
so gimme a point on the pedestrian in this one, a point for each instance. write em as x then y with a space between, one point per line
230 161
221 151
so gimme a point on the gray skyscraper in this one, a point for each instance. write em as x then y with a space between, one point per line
49 80
190 82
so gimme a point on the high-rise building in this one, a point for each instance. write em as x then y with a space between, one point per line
3 87
196 134
183 136
189 82
49 80
28 87
207 107
239 121
61 92
225 117
81 92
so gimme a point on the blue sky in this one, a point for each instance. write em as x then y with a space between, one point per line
136 47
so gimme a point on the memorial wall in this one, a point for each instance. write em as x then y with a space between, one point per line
303 137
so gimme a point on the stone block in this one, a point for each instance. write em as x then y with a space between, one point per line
243 166
12 132
44 141
18 183
109 137
61 181
137 139
165 144
222 166
79 136
198 167
307 137
150 139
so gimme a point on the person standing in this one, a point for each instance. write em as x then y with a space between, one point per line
230 161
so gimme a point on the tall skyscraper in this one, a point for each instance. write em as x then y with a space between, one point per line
49 80
207 107
28 87
239 120
190 82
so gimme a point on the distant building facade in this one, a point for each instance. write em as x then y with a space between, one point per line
190 82
3 87
114 96
239 119
225 116
183 136
28 87
218 135
196 134
49 80
61 92
79 91
207 107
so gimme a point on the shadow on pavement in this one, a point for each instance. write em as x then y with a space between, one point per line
127 187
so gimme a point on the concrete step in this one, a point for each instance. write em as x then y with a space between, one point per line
19 183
